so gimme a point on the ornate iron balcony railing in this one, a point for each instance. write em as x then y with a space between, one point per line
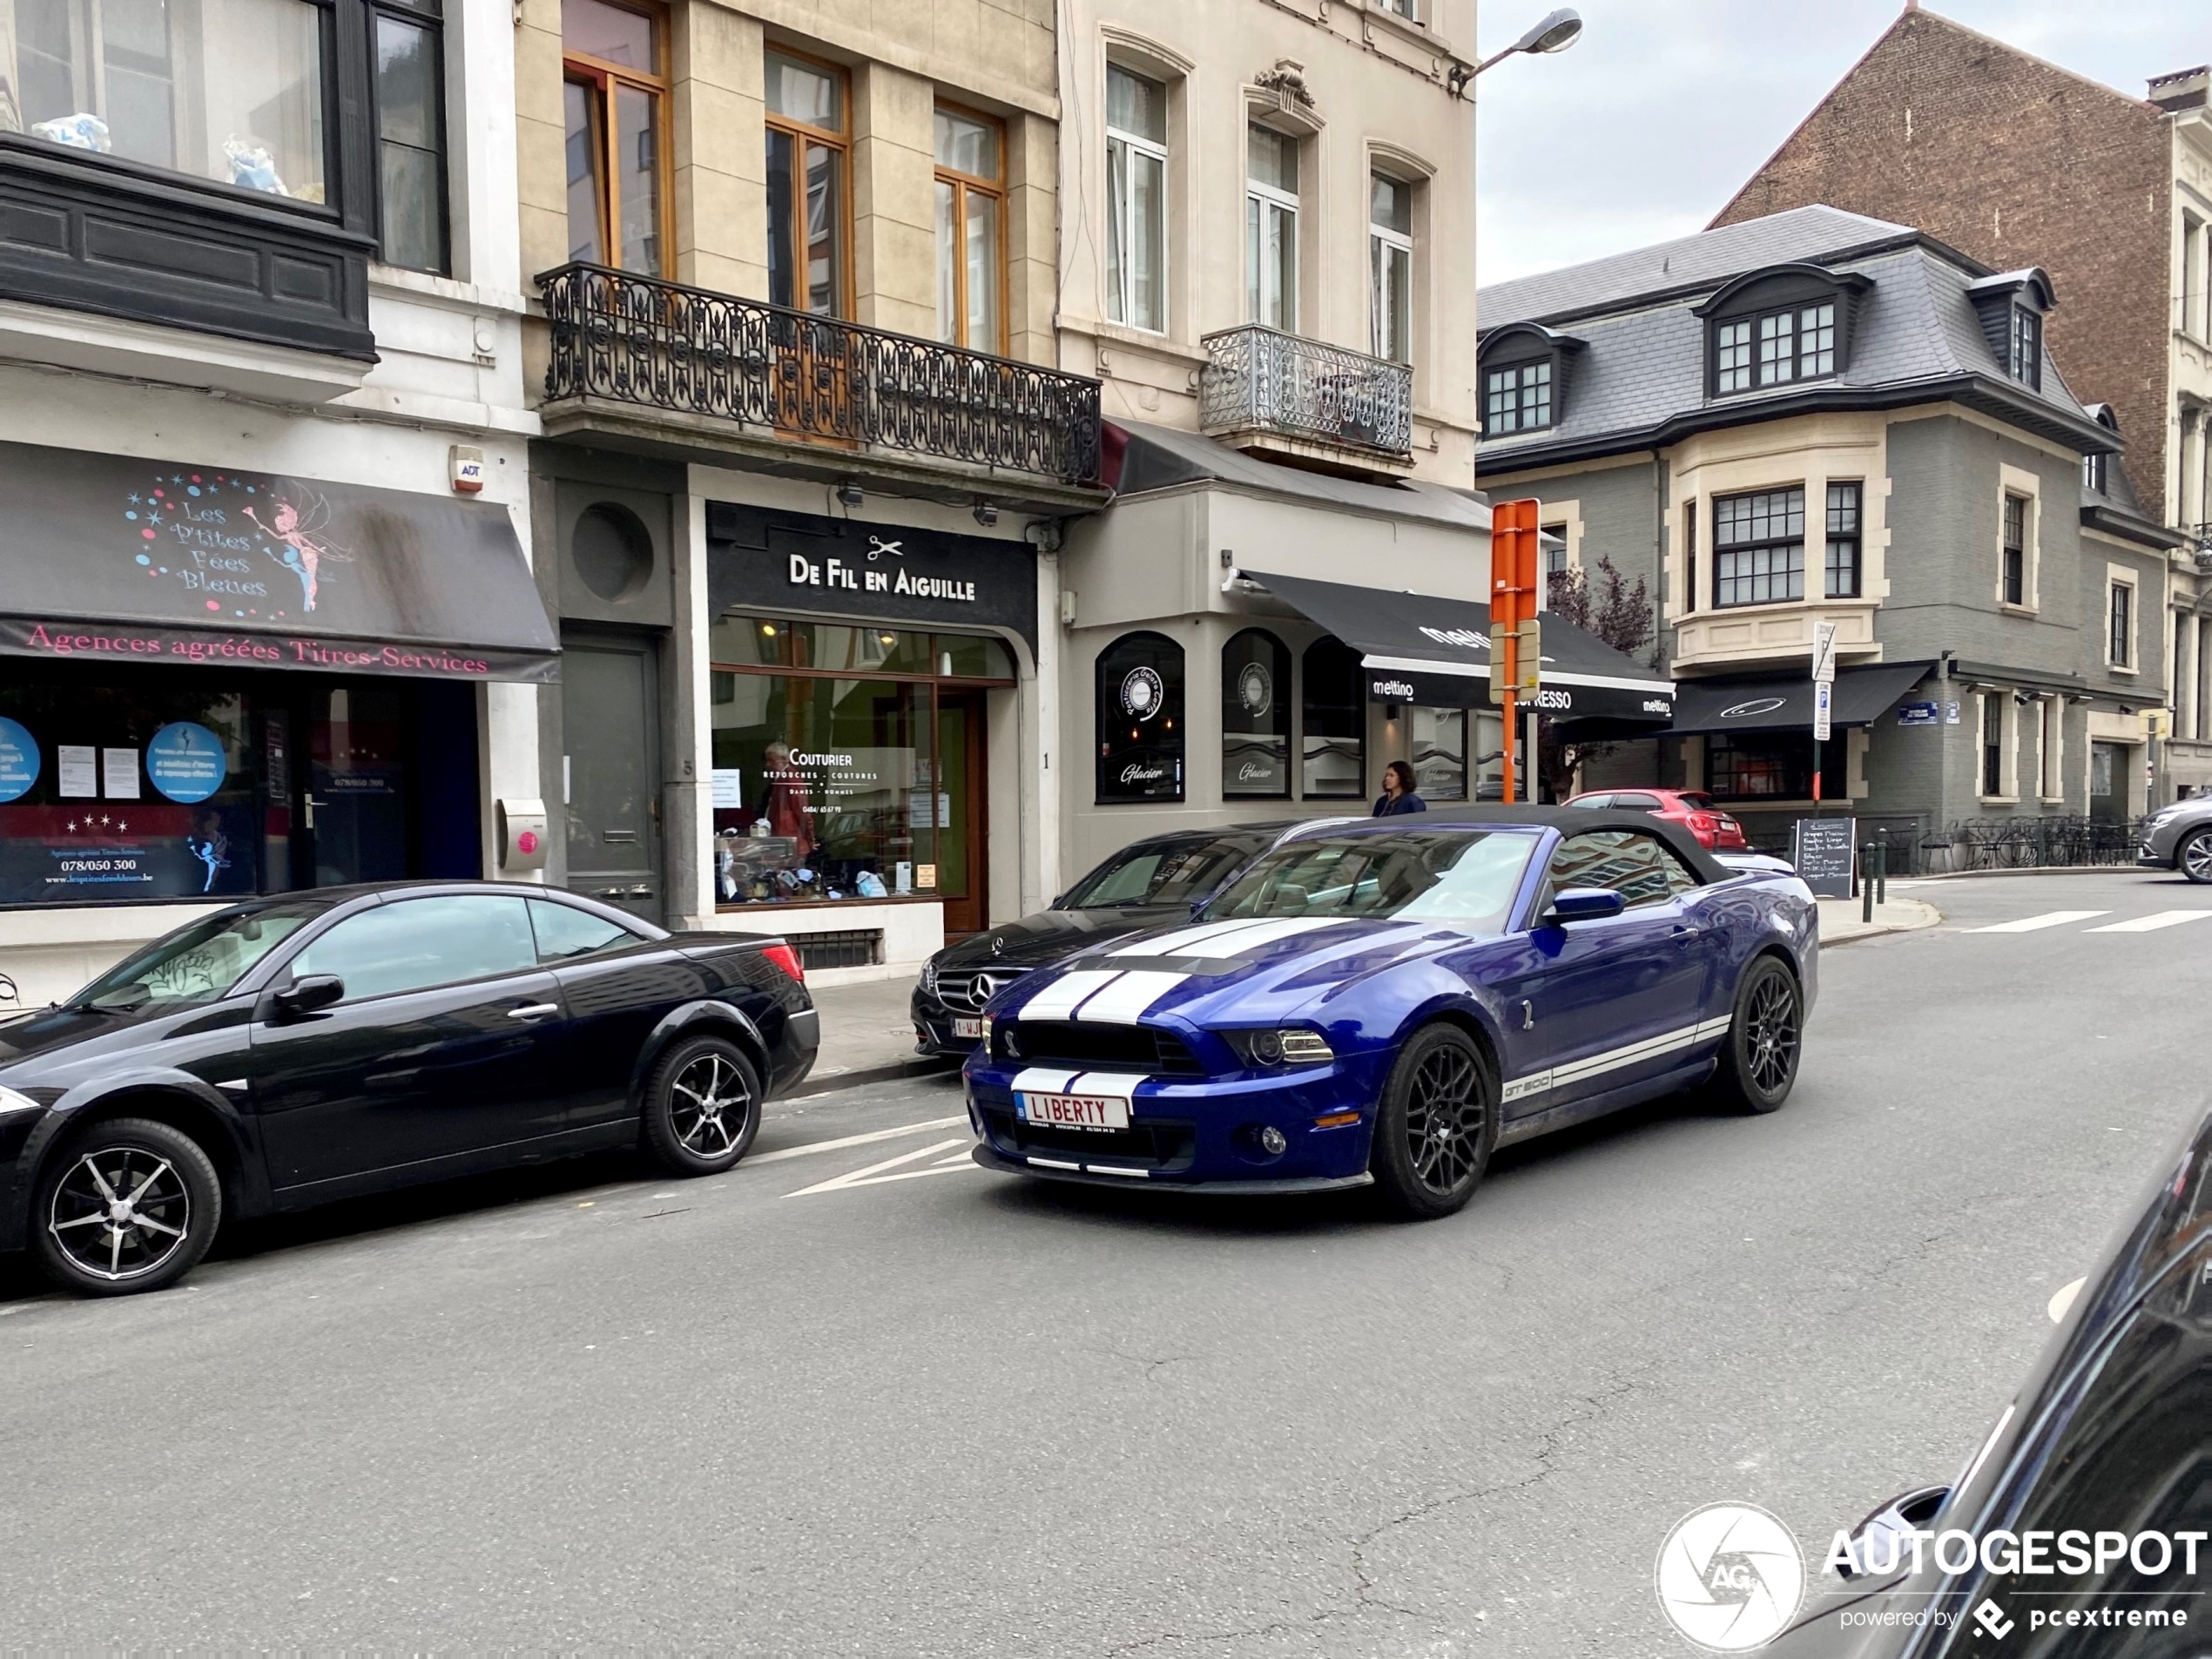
1260 378
638 340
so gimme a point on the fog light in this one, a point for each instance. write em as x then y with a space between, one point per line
1271 1141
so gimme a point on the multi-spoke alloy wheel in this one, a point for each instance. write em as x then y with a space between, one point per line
129 1205
1435 1124
702 1106
2196 857
1758 1063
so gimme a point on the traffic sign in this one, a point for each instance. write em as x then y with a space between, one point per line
1822 693
1824 652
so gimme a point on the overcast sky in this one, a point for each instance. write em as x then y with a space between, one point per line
1645 127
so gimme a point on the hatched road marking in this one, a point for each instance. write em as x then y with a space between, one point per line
872 1135
2031 924
2151 923
892 1170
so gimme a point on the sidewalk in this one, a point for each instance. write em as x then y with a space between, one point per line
867 1036
1839 920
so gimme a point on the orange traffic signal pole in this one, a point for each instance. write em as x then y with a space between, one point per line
1513 603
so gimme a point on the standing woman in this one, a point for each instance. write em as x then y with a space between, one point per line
1398 794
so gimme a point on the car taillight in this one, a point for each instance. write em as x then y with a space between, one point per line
785 958
1702 826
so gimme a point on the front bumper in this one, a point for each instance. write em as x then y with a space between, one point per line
1245 1187
1199 1132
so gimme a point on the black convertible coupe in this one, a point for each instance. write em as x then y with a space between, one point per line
293 1050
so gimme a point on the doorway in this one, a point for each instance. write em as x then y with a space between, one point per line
2108 783
610 770
963 813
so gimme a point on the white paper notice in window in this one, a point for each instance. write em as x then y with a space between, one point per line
119 773
79 775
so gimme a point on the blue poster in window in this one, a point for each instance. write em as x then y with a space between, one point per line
18 759
186 762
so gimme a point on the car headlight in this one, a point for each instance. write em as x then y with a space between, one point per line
1288 1046
929 977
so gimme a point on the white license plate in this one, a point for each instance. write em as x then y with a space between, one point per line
967 1028
1075 1111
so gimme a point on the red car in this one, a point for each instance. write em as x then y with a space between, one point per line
1691 808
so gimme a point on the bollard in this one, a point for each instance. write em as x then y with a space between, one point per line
1882 872
1866 882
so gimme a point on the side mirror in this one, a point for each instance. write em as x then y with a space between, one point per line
1880 1541
304 995
1582 904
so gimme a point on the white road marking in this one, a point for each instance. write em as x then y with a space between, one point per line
2151 923
2062 1299
2031 924
889 1170
783 1152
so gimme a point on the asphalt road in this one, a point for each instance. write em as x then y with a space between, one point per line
925 1410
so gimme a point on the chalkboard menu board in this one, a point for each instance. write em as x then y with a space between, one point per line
1823 854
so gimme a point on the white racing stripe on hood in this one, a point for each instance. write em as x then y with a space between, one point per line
1114 1085
1129 996
1268 932
1180 943
1041 1080
1058 1000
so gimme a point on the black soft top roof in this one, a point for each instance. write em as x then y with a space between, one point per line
1568 820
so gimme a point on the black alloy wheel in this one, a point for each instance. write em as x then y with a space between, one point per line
1437 1124
2194 858
702 1106
127 1205
1758 1063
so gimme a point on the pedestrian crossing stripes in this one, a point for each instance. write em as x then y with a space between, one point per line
2155 922
2151 923
2035 924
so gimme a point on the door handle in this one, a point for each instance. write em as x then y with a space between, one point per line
641 892
533 1010
609 893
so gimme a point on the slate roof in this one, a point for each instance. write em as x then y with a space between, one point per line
1161 458
1641 379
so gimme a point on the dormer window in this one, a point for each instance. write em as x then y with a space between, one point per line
1777 327
2026 355
1518 399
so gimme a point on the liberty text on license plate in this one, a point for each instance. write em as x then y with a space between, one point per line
1075 1111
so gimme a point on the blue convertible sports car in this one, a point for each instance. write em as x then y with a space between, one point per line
1390 1001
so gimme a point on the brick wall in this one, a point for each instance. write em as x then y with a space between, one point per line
2015 162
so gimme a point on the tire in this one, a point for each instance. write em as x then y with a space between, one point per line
1436 1126
702 1106
172 1205
2192 857
1759 1061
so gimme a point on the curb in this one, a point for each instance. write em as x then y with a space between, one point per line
1932 918
825 1083
2039 869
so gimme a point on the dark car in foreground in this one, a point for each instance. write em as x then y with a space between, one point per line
2180 838
290 1051
1389 1001
2082 1525
1147 883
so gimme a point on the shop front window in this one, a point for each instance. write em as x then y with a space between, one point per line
1440 753
1140 719
848 761
1770 765
1256 716
230 90
1334 761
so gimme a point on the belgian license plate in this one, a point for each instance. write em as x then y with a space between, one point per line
1075 1111
967 1028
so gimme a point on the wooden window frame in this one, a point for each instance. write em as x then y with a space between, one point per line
803 133
603 77
963 184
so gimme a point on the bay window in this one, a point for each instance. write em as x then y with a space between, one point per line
1759 548
410 134
1840 578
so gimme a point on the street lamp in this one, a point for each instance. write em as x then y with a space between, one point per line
1555 32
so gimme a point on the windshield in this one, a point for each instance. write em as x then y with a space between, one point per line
1465 879
1161 873
201 962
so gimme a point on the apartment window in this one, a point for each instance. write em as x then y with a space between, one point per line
807 186
2026 355
1840 579
1517 398
2015 543
1775 347
2197 284
1994 705
1688 556
410 134
1136 200
2096 474
1270 228
615 98
234 93
1390 273
1408 9
1759 548
971 215
1553 544
2119 626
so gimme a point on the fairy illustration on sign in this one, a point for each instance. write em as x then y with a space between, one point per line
212 847
298 517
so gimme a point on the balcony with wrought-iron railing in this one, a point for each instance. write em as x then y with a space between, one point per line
809 393
1263 389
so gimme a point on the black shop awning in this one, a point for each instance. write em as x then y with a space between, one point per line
1419 648
1773 702
107 559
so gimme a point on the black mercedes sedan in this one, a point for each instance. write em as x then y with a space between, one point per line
1148 883
292 1050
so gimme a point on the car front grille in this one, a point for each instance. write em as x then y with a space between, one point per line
1153 1144
966 990
1075 1043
